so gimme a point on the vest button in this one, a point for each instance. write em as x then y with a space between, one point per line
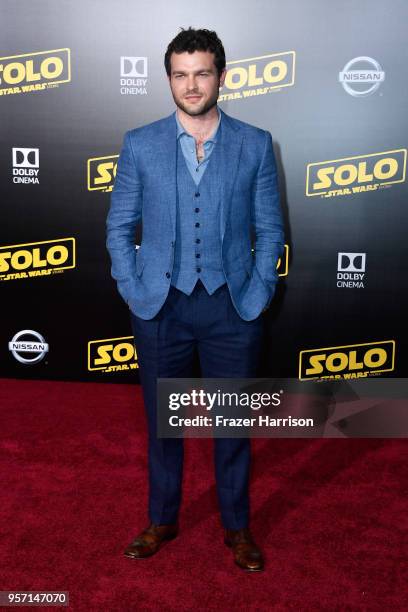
197 195
168 274
198 269
198 255
198 240
197 225
197 210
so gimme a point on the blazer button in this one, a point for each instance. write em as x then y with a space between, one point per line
168 274
197 194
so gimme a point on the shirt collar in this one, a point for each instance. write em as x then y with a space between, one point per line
181 130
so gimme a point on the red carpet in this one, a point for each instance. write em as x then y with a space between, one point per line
73 493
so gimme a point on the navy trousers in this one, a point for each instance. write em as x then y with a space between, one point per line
228 347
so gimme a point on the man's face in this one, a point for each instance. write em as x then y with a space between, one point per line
194 81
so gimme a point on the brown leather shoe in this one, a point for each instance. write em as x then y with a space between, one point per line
246 553
150 540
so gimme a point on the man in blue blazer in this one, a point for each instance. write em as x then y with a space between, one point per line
197 180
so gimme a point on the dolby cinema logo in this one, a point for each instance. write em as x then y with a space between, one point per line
351 270
26 164
28 347
133 76
361 76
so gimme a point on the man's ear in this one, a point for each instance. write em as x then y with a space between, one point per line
222 77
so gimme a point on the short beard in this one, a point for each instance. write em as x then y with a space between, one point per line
207 107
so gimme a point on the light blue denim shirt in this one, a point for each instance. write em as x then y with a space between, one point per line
188 146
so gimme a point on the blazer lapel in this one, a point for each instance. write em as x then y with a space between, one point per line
229 153
166 166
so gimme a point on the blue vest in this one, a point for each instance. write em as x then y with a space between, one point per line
198 244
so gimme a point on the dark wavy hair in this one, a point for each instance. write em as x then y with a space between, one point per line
196 40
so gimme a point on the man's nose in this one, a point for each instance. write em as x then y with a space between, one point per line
191 82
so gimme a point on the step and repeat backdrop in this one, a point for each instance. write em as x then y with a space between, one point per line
328 80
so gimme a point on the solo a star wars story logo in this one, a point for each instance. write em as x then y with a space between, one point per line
34 259
257 76
101 172
348 362
112 355
30 72
351 175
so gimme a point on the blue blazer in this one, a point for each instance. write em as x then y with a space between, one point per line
145 191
